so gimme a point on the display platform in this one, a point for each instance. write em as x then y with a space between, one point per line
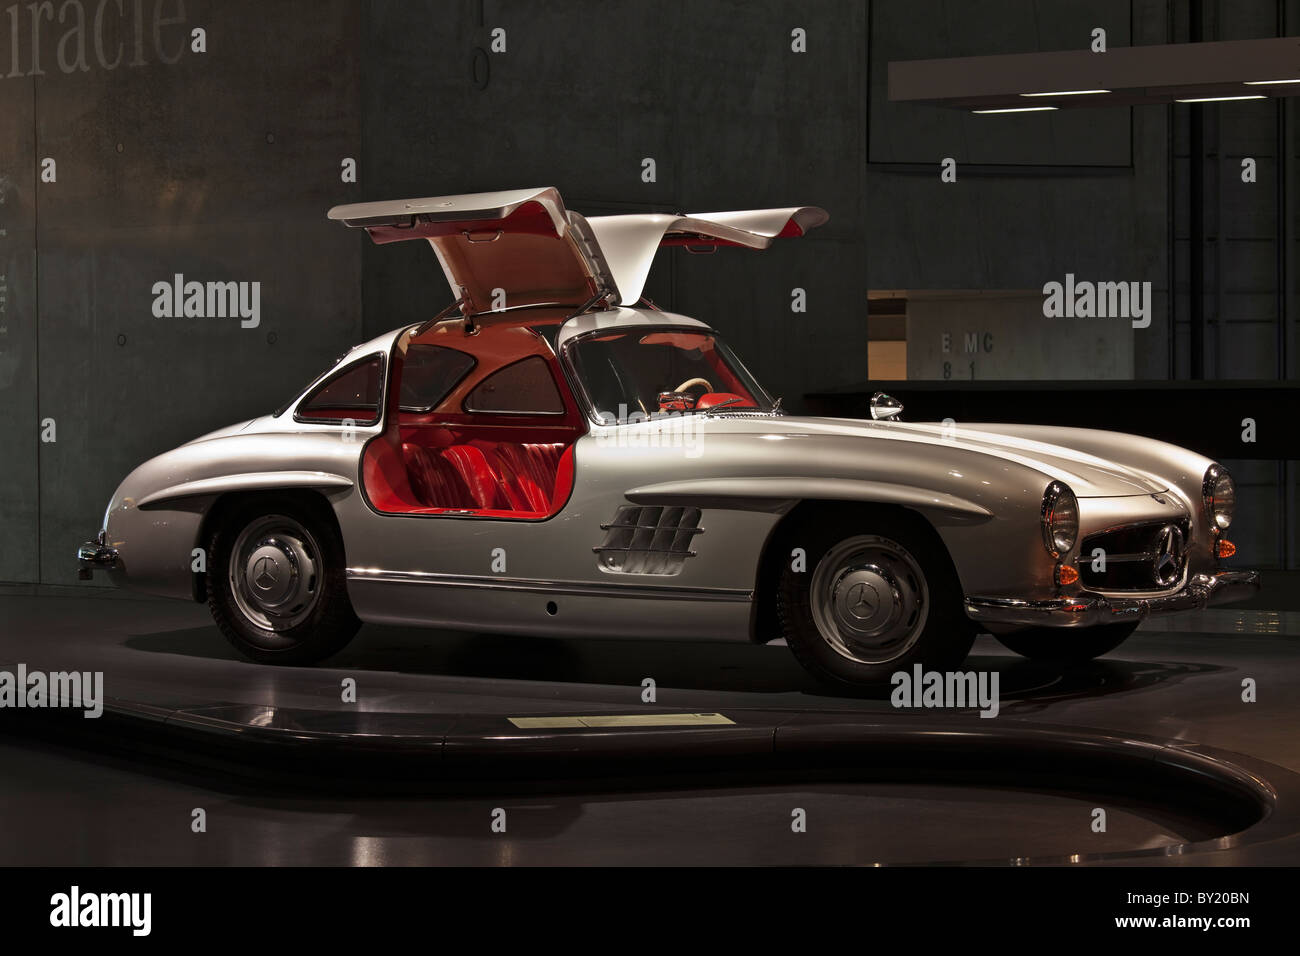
1158 734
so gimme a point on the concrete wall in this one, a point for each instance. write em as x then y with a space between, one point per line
1037 196
583 93
218 166
1003 336
1240 241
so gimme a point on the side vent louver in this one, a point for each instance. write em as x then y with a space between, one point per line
648 540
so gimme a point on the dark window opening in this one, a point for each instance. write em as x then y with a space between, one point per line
429 374
351 395
524 388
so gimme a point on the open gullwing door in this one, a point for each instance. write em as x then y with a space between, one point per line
629 243
521 241
525 243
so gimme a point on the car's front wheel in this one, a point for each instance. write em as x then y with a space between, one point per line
1067 645
276 582
873 601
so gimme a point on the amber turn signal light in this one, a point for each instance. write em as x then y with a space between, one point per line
1066 574
1223 548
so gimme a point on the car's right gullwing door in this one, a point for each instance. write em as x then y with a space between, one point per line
628 243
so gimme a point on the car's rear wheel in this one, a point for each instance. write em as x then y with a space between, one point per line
1067 645
872 602
277 586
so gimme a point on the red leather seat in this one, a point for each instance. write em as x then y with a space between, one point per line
528 473
489 476
522 494
478 475
434 480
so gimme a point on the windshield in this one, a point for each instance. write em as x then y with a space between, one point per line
632 374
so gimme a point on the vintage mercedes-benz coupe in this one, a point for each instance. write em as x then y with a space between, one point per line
554 455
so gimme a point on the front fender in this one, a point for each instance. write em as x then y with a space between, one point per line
775 494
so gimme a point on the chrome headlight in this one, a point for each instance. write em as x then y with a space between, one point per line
1219 492
1060 518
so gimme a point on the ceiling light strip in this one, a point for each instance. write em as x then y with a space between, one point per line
1068 93
1222 99
1018 109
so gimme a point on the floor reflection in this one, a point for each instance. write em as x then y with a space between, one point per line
1227 620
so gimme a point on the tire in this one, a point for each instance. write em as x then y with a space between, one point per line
1067 645
299 612
908 609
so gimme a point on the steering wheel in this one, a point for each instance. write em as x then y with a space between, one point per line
691 382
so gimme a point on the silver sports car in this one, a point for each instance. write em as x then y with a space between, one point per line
555 455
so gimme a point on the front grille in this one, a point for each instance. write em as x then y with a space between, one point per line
1131 554
648 540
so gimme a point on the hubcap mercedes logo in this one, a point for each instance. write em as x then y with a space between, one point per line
264 573
1168 564
862 600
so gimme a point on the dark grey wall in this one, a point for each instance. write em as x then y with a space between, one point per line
584 92
1038 195
221 165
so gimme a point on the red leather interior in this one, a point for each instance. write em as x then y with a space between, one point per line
500 465
477 473
435 479
528 472
563 481
489 478
385 477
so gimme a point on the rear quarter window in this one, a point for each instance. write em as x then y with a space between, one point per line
351 394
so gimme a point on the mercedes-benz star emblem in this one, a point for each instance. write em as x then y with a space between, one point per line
1168 564
264 575
862 600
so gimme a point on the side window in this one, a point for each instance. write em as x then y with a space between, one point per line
524 388
429 373
351 394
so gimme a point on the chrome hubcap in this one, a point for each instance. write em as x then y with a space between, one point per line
275 572
869 599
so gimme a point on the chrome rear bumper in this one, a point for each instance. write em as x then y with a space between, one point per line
95 556
1089 610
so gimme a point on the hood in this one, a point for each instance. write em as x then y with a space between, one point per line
1087 475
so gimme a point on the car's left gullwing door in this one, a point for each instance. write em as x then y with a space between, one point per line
522 241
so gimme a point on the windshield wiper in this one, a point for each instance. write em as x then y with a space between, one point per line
731 401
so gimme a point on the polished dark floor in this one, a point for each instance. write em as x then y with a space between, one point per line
1178 680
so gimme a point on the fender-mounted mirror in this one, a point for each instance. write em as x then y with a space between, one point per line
885 406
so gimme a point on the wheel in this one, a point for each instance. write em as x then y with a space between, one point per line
872 603
277 586
1068 645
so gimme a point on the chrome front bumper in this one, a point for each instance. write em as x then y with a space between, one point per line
1089 610
95 556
